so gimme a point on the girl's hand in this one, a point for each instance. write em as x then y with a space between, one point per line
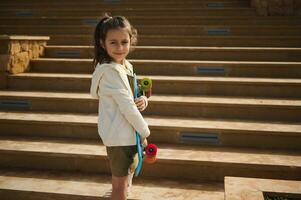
141 103
143 142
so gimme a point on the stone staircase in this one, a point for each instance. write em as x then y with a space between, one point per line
226 99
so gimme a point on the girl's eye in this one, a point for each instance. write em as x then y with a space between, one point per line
123 42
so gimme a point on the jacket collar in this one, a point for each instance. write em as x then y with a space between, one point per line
123 73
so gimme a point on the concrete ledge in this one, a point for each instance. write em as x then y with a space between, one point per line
237 188
16 52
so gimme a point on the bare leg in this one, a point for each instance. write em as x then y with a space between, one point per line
130 179
132 171
120 185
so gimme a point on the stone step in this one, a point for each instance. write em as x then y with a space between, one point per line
204 163
166 105
187 53
27 9
271 30
240 188
117 2
146 11
57 185
164 129
160 20
127 4
216 86
178 67
184 40
47 137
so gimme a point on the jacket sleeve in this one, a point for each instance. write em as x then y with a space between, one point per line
114 86
97 74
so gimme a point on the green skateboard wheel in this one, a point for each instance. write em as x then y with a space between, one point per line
146 84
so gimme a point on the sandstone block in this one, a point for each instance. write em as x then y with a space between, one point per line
15 47
42 46
35 49
19 63
274 10
16 52
275 7
30 53
275 3
24 45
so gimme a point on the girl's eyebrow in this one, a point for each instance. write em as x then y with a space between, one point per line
117 40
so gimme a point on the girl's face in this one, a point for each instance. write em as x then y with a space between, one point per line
117 44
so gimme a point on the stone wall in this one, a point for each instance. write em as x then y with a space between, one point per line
277 7
16 52
3 80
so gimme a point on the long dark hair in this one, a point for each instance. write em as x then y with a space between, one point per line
107 23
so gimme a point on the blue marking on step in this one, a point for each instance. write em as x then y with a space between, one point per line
218 31
211 138
15 104
215 5
24 14
211 70
111 1
91 22
68 54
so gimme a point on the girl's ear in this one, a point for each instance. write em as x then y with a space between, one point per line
102 44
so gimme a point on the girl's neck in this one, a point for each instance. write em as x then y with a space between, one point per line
122 62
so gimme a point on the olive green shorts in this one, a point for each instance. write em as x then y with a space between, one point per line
123 160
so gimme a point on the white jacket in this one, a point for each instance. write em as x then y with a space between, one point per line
118 116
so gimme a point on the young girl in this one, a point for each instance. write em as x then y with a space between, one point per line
119 113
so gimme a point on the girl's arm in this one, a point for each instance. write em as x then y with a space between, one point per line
97 74
114 86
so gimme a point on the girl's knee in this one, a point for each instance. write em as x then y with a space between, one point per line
120 183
